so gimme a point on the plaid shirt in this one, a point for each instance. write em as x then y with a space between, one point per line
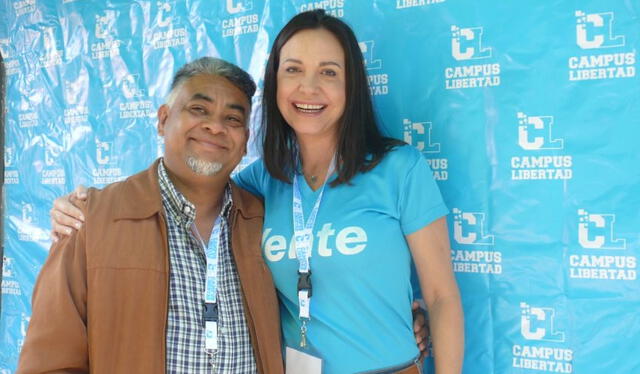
187 262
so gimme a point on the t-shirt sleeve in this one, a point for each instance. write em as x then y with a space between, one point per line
252 178
420 199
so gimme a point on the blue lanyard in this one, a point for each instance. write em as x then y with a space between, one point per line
211 285
211 289
303 231
303 234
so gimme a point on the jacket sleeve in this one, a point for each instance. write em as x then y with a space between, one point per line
56 340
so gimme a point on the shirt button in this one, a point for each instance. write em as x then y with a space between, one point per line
186 209
222 330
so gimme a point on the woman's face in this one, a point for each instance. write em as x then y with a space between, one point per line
311 83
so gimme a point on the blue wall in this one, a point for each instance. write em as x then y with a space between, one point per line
527 111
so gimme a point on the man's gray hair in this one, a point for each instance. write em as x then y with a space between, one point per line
212 66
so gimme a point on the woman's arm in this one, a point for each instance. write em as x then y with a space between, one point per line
432 257
66 217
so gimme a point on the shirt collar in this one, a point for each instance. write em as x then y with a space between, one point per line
177 205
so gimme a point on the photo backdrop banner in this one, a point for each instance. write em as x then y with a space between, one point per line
526 111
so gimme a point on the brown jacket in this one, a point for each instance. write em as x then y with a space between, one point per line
100 301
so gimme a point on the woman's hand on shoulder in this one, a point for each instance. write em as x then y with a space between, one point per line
65 214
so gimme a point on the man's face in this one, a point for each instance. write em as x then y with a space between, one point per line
205 129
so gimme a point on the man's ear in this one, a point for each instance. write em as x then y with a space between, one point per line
163 114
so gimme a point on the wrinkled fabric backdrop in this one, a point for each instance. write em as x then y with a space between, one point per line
527 112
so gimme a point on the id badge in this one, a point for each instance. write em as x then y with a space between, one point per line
298 362
211 335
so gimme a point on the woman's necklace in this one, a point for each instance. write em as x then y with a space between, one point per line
313 178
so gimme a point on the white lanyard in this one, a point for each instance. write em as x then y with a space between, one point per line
211 288
303 233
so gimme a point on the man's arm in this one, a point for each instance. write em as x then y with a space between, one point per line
56 340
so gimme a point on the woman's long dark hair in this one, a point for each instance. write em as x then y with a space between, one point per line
361 145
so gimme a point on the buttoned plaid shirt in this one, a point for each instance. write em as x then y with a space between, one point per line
187 262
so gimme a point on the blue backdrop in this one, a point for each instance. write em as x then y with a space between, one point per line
527 112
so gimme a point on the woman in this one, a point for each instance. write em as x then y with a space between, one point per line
346 210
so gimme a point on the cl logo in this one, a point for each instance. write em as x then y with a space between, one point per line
50 154
103 24
130 87
537 324
77 91
468 228
103 151
7 267
163 19
27 213
541 127
24 324
595 231
418 134
366 48
466 43
8 157
234 6
596 31
4 48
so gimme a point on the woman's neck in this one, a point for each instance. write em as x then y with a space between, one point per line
316 155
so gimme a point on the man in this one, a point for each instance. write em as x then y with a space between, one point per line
126 292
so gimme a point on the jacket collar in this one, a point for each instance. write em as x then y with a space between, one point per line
141 195
245 203
142 199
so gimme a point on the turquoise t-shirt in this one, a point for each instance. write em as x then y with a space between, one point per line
360 262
